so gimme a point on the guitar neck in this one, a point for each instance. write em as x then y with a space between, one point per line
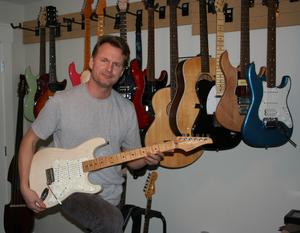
123 25
52 57
87 43
42 70
108 161
220 81
151 43
100 25
204 37
147 218
271 47
245 41
173 47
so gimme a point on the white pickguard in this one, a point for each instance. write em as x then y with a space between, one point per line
212 101
69 178
273 104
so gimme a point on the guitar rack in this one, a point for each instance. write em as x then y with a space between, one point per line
188 14
135 212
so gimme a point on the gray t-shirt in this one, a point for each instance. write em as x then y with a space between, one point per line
73 116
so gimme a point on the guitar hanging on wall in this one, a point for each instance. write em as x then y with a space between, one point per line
268 122
77 78
37 82
125 86
209 93
17 217
53 84
234 103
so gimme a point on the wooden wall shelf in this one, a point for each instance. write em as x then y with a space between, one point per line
289 14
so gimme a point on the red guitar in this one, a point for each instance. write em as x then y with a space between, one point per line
144 118
53 84
75 77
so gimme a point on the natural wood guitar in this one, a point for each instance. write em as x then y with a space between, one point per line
160 130
234 103
50 181
185 105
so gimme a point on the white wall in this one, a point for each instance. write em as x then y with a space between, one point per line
240 190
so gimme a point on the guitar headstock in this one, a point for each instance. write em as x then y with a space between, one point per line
42 17
149 188
87 8
219 5
122 5
190 143
100 7
22 86
51 16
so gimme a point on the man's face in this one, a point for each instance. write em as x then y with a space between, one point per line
107 66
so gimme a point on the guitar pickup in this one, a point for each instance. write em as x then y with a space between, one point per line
50 176
271 122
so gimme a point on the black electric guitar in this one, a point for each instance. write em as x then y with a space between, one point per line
149 190
125 85
152 84
209 93
17 217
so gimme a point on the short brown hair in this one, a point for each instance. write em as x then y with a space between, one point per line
115 41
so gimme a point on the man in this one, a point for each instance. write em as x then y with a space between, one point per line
73 116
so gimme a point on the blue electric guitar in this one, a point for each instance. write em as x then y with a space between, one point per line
268 122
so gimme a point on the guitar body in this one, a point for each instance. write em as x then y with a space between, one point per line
144 118
266 126
160 131
186 111
206 123
18 219
31 81
61 160
73 75
151 87
53 87
228 111
42 86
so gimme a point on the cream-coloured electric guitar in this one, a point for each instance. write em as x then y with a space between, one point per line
57 173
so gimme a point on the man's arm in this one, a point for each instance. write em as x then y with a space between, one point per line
26 152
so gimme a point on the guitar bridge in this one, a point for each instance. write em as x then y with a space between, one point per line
270 122
50 176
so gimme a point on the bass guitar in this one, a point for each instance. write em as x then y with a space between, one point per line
77 78
160 130
53 84
17 217
234 103
49 179
149 190
209 93
268 122
33 80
